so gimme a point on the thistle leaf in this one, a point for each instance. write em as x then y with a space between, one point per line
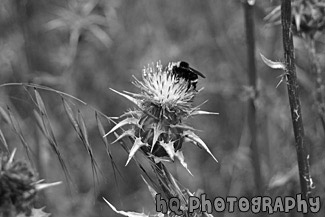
180 156
272 64
156 133
169 148
195 138
130 132
136 145
126 121
160 159
129 214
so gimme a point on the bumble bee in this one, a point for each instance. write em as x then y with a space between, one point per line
183 70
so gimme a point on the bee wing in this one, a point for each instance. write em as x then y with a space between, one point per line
197 72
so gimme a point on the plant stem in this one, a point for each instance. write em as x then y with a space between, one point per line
295 107
251 72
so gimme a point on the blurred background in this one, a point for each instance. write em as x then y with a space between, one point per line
85 47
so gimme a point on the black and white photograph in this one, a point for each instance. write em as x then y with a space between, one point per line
162 108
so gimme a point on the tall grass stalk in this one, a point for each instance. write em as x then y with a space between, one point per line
295 107
251 73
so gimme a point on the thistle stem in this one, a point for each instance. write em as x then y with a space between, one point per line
295 107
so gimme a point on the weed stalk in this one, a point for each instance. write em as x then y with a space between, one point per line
295 107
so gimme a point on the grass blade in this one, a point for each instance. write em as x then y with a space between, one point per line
3 140
16 128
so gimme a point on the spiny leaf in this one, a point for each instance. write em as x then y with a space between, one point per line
126 121
156 133
160 159
195 138
181 159
169 147
136 161
136 145
3 140
272 64
125 213
130 132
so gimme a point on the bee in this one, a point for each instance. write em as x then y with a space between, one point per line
183 70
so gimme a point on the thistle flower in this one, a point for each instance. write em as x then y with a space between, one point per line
18 186
157 126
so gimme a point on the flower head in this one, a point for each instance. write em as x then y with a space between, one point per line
164 89
18 186
157 124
